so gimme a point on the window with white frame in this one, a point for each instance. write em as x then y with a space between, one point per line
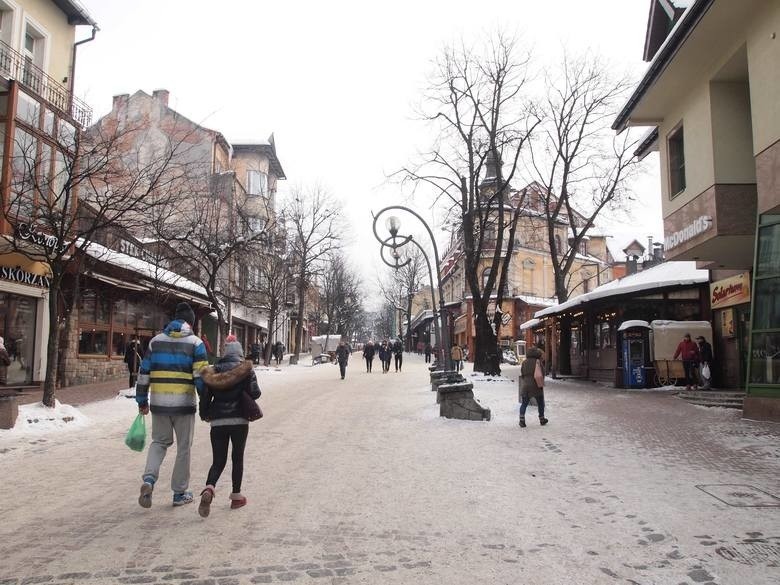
256 182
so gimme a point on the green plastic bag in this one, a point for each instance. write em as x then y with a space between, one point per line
136 436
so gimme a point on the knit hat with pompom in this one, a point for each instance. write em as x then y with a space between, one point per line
233 347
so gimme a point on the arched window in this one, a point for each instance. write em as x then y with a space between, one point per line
485 276
558 247
528 276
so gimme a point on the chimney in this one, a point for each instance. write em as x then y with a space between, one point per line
649 246
658 251
161 95
120 101
630 265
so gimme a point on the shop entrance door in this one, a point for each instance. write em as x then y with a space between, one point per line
17 327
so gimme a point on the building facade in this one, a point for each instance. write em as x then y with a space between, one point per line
40 117
709 97
243 177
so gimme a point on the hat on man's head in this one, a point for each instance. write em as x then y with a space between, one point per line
233 347
185 313
700 338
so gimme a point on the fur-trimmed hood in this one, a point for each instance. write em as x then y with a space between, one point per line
224 380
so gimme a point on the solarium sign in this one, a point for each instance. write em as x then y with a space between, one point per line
697 227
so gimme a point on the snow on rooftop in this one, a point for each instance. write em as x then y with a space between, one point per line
147 269
658 277
250 142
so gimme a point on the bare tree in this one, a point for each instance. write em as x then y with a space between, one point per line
582 167
63 196
271 283
212 230
340 295
400 285
479 104
312 219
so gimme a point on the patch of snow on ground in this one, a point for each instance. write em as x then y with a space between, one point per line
38 418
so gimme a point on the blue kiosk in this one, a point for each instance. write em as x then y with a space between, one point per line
634 343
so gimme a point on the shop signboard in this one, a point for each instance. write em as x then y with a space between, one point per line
730 291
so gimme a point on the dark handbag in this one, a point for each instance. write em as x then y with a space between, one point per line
249 407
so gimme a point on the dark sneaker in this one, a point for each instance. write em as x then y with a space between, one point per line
182 498
543 421
522 421
145 499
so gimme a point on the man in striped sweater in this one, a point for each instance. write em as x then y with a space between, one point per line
167 382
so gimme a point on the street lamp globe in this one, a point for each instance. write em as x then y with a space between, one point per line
393 225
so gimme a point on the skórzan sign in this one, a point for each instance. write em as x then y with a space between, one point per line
24 277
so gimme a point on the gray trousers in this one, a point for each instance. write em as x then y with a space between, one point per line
163 429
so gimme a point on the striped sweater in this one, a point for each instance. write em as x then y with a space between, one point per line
170 371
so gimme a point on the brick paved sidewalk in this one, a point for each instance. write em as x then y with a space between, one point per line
76 395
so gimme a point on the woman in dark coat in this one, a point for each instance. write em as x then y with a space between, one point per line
368 355
531 384
220 404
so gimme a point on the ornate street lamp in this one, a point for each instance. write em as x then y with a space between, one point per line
396 241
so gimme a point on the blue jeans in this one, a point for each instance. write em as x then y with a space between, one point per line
527 400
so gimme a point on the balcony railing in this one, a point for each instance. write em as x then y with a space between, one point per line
16 66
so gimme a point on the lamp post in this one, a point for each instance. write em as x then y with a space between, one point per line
396 241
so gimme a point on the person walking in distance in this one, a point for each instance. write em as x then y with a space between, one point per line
705 362
220 405
342 357
428 351
531 384
167 382
398 352
456 354
689 354
368 355
133 360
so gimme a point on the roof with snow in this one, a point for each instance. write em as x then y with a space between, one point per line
666 275
146 269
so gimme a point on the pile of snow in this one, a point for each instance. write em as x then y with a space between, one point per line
38 418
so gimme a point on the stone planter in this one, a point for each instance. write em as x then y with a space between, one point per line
9 411
457 401
445 377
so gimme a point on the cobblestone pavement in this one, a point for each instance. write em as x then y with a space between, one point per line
359 481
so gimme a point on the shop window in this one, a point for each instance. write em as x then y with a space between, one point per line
118 344
17 327
765 359
765 346
120 313
87 306
676 144
93 342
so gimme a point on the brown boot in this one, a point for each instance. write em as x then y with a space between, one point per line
237 501
206 496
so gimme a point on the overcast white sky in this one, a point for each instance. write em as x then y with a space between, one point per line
335 81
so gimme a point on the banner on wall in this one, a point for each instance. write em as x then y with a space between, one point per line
730 291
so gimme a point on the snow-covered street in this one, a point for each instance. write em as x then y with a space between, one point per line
360 481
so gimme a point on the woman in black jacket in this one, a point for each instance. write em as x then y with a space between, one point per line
221 405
